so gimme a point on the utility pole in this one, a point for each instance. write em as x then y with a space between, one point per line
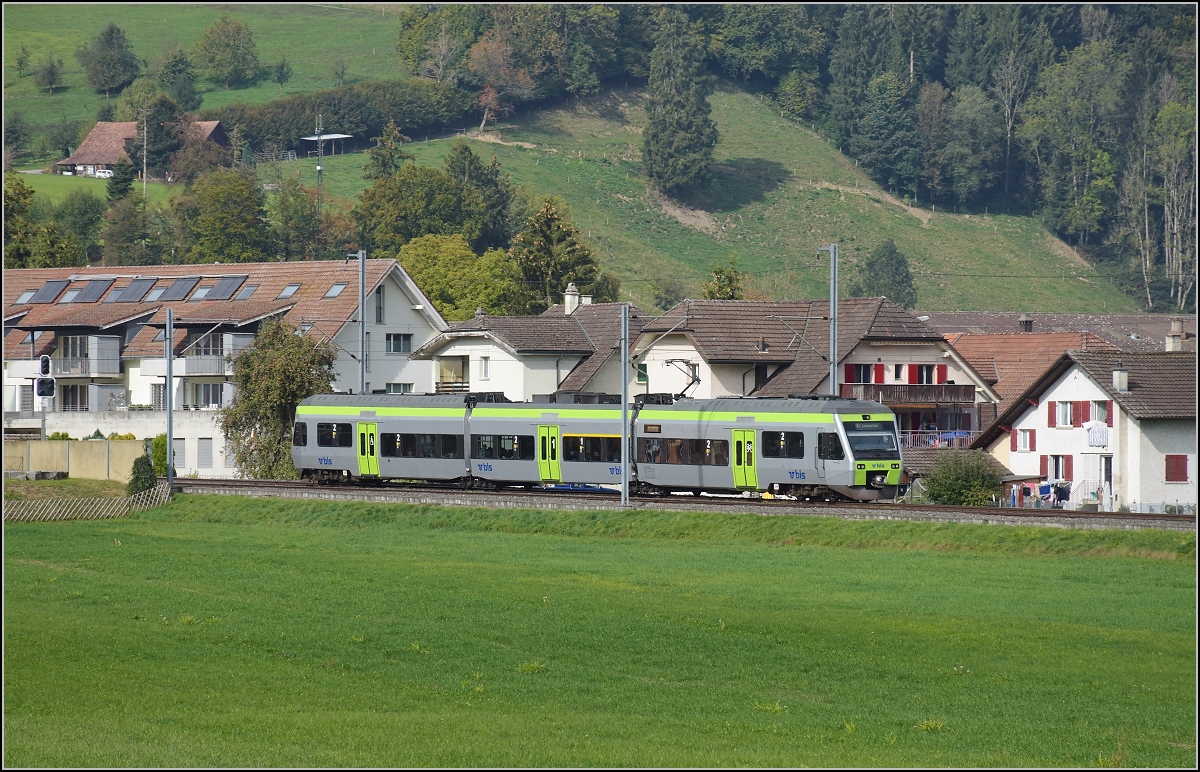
170 397
832 249
362 320
625 433
145 143
320 172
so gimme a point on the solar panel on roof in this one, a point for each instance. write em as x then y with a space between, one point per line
136 290
225 288
180 288
94 290
50 291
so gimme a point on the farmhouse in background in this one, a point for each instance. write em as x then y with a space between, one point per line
110 142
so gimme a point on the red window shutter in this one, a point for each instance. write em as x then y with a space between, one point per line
1077 413
1086 411
912 373
941 373
1012 440
1033 439
1177 468
1068 472
850 374
1051 413
878 374
1110 412
1045 466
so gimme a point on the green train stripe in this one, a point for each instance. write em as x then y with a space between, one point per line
535 413
380 412
807 418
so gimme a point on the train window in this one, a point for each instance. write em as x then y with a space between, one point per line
451 446
605 449
652 450
389 444
829 446
783 444
335 436
515 447
483 446
300 434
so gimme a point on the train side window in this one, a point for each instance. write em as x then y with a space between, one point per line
507 447
572 448
772 444
649 450
408 445
389 444
525 447
793 445
451 446
428 444
483 446
335 436
829 446
300 434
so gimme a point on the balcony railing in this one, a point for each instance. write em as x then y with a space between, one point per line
84 366
452 387
937 438
207 364
911 393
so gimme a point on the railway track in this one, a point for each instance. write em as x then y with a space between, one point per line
607 500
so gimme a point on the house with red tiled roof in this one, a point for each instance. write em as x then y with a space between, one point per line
571 348
1105 430
718 348
105 331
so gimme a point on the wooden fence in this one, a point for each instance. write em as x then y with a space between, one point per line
86 509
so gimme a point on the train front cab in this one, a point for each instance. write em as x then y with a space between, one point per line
872 464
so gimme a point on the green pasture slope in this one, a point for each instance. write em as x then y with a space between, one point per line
780 191
236 632
55 187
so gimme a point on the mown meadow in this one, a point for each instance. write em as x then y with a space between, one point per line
220 631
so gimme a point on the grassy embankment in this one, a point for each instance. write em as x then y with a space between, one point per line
780 191
231 632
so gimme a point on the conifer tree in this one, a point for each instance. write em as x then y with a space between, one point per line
680 134
885 273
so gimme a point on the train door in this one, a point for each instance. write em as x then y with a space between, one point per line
745 470
368 456
548 460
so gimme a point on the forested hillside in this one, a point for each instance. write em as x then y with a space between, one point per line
1082 117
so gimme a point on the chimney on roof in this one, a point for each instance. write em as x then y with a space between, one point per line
1120 378
1175 336
585 300
570 299
1026 322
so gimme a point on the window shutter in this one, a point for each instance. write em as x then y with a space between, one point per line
912 373
941 373
1110 412
1085 409
850 374
1012 440
1045 466
1033 439
1051 414
1068 472
878 374
1077 413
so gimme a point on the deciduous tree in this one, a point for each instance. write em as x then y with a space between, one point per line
81 214
227 53
458 282
727 282
963 477
177 79
224 219
490 62
417 201
678 142
281 73
108 60
272 375
49 73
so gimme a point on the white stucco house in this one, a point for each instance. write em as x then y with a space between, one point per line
1118 427
568 349
104 331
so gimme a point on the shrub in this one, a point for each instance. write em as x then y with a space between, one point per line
142 478
964 477
125 436
158 454
59 436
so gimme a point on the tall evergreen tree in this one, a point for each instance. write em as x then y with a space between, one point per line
861 52
122 180
551 254
885 273
680 134
387 155
493 189
177 79
888 143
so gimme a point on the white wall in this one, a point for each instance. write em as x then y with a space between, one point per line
1154 442
400 316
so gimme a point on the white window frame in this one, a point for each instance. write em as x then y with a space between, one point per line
485 368
400 388
1100 410
288 291
1056 467
1063 412
335 290
1023 437
404 339
24 297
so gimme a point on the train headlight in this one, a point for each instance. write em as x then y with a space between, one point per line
895 466
878 480
861 466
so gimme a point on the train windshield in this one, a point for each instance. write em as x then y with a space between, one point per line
872 439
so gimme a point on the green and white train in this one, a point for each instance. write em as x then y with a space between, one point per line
804 446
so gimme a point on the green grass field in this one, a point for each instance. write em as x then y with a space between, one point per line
232 632
55 187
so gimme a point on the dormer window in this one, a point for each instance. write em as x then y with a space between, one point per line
335 290
24 297
288 291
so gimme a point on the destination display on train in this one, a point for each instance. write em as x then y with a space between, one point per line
868 426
